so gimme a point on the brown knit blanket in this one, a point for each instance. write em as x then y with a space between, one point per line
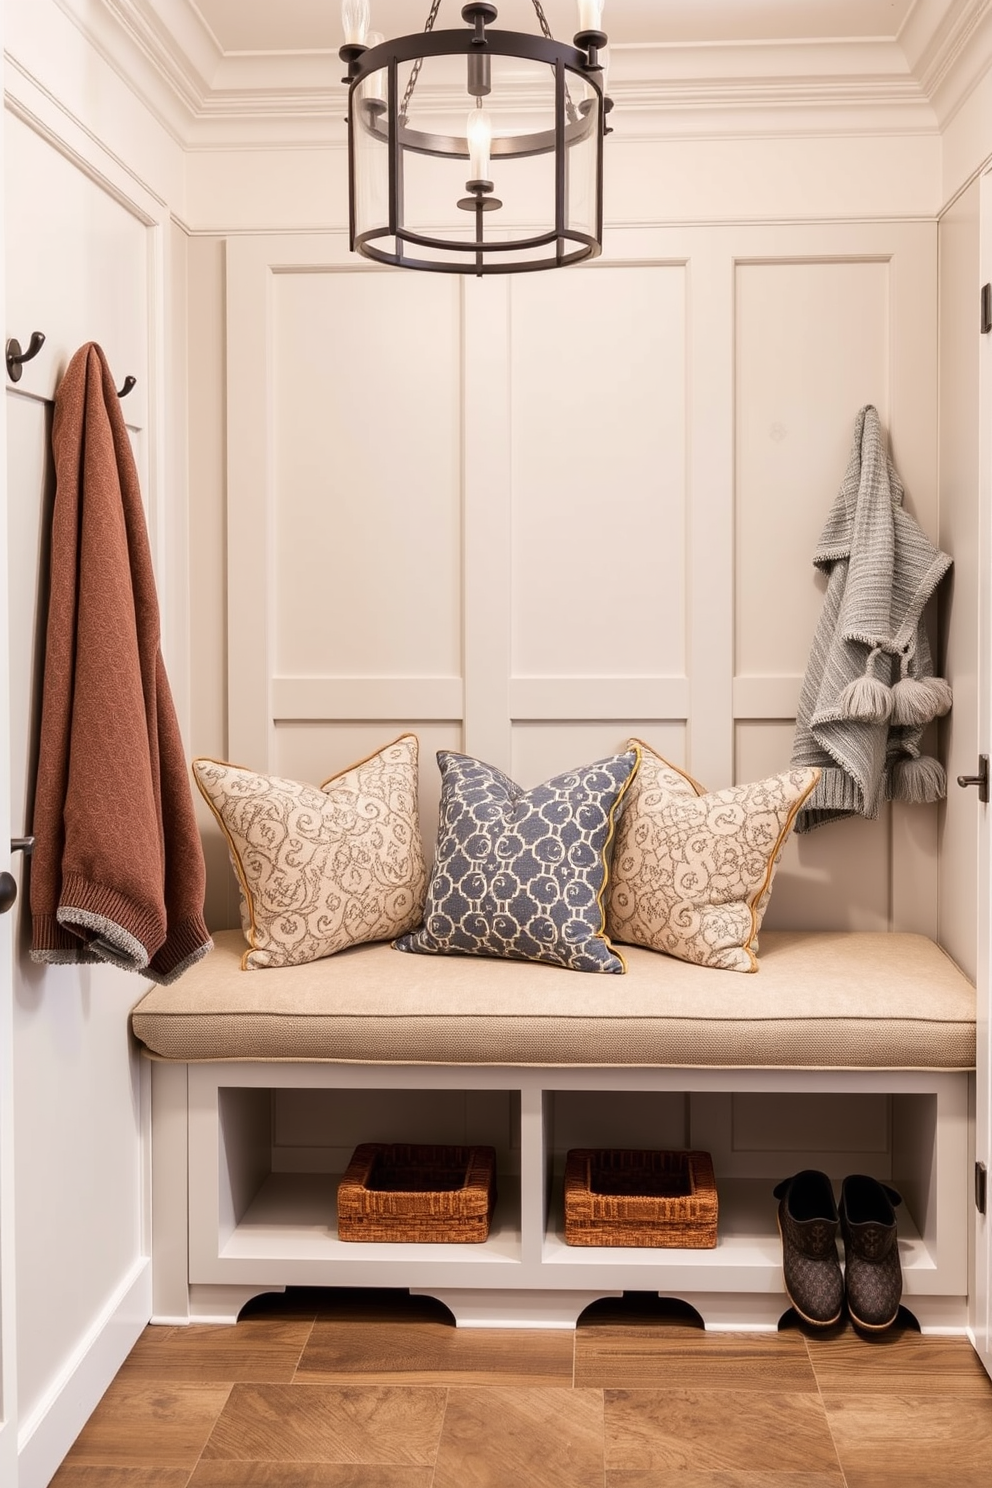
117 873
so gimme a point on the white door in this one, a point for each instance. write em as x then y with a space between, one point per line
8 1336
981 1311
77 268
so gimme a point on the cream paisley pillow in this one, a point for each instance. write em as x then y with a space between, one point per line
322 869
692 871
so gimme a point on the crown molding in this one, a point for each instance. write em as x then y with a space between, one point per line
209 99
946 65
935 34
177 36
139 58
971 62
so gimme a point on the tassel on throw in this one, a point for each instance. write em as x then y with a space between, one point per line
866 699
916 702
920 781
945 697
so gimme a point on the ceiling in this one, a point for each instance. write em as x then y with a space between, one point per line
309 25
243 72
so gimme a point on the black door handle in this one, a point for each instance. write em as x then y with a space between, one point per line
8 891
8 884
981 779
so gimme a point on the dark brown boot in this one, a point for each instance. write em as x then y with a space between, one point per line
808 1223
873 1275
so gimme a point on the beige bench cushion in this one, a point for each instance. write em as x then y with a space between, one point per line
820 1000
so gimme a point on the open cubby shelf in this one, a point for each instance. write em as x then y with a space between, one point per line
268 1144
296 1215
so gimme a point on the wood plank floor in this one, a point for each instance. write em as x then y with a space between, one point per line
380 1390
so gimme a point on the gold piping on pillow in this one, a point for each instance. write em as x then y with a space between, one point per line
322 868
693 870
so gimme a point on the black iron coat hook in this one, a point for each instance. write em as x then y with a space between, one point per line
16 357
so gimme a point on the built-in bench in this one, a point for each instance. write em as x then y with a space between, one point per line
847 1051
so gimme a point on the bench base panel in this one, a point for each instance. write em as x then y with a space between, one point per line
248 1158
719 1312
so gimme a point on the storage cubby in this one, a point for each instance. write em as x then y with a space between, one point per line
756 1138
268 1143
271 1195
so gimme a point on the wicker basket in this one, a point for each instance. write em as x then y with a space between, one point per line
399 1191
617 1197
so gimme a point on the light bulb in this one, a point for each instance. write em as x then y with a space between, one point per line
480 136
375 84
590 15
355 18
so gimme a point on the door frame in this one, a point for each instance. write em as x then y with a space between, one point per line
981 1299
8 1333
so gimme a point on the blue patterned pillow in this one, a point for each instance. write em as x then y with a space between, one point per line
522 873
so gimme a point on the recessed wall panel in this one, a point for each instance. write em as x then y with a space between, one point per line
834 878
541 750
366 458
812 347
318 1130
632 1118
598 416
816 1123
314 750
338 1118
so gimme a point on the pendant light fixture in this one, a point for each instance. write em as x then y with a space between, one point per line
475 151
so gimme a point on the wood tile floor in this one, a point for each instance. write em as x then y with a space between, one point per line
380 1390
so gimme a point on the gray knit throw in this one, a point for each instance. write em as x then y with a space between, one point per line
869 689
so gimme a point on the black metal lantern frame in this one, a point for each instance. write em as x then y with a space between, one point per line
385 121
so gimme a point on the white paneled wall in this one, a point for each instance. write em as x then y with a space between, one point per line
87 258
530 517
365 465
598 470
812 342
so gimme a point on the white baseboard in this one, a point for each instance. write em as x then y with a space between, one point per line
49 1431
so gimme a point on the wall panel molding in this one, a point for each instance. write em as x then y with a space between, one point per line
766 697
326 699
601 698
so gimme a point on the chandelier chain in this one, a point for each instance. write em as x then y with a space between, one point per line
415 72
429 26
543 20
